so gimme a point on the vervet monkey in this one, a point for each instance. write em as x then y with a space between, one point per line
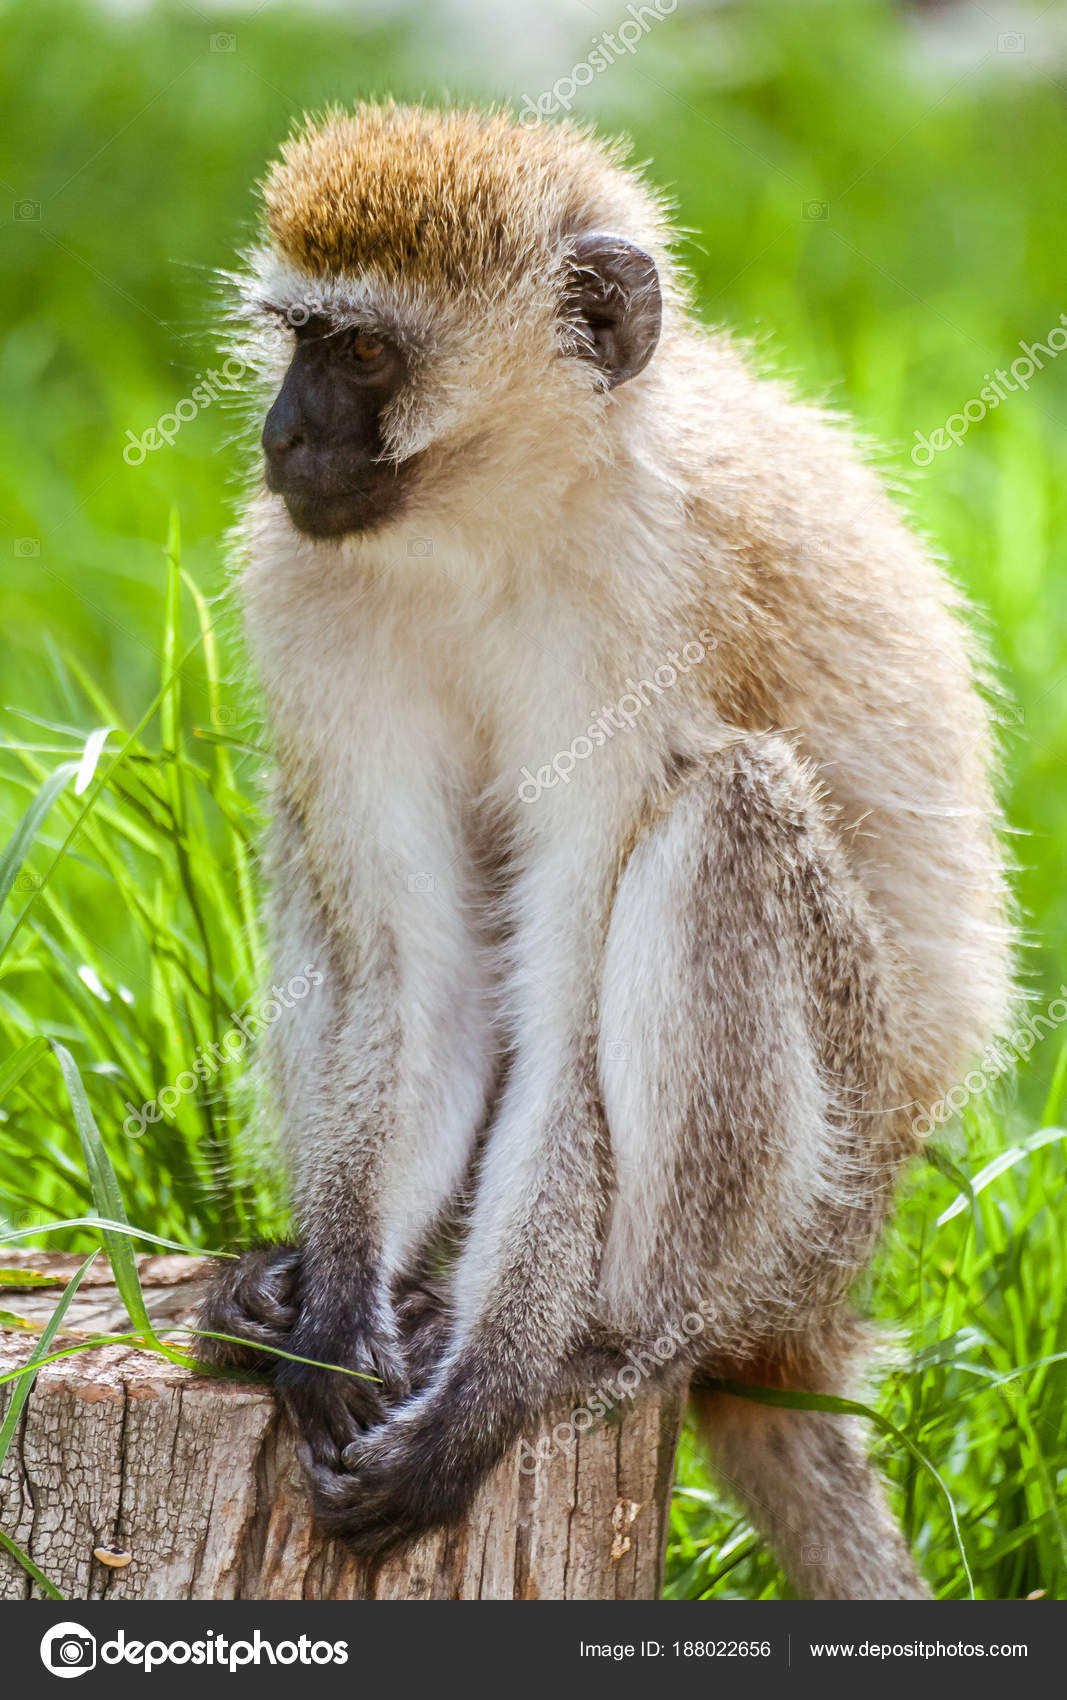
649 997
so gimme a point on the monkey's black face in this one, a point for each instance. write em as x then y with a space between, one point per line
323 437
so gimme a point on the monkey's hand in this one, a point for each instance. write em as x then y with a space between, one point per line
255 1300
251 1299
420 1470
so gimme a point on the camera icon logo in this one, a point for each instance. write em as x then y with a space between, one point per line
1011 42
68 1650
421 883
420 546
224 42
27 211
816 210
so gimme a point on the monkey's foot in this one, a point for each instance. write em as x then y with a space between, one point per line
417 1472
400 1487
422 1468
332 1411
252 1299
332 1407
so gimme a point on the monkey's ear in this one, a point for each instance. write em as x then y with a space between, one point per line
614 299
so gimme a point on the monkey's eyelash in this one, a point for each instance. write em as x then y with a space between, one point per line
296 316
368 345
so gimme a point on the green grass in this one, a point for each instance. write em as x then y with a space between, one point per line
132 749
135 940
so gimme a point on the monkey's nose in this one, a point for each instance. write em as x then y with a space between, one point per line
280 437
277 444
291 460
285 435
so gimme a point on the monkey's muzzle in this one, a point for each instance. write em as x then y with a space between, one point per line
323 444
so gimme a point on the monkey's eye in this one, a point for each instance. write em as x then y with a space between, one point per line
367 347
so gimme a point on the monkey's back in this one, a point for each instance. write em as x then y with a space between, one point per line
836 625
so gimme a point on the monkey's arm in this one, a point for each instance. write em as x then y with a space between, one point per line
381 1080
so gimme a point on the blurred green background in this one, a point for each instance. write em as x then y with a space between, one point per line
871 193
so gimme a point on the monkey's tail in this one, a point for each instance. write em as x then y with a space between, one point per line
804 1480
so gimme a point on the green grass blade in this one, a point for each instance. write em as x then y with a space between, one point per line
40 1351
27 1278
17 847
942 1162
90 759
1001 1163
17 1064
107 1196
274 1352
108 1225
48 1588
1054 1101
97 789
170 706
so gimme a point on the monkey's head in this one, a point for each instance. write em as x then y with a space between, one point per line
446 298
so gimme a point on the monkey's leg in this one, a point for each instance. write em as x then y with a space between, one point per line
751 1077
804 1479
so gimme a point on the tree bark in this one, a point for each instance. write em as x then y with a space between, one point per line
196 1479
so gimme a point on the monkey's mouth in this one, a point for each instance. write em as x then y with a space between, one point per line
341 513
330 516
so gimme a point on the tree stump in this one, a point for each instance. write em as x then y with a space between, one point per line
198 1481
